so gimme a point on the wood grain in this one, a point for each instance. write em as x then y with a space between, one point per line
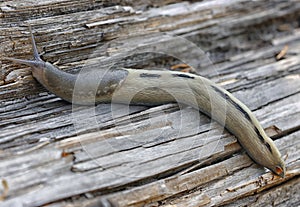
168 155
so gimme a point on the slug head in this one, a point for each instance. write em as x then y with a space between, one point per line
37 65
279 169
274 161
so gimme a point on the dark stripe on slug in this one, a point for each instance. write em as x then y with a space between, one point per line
238 107
262 139
183 76
149 75
220 92
259 135
268 146
241 110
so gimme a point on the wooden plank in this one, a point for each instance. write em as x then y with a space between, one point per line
165 155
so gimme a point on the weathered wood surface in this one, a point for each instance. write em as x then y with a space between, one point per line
52 155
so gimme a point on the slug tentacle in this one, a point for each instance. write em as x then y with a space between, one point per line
34 47
37 62
30 63
159 87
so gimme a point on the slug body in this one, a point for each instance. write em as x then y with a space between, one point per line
158 87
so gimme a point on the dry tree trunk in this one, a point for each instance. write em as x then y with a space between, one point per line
160 156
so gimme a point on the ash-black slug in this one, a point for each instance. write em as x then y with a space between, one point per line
119 84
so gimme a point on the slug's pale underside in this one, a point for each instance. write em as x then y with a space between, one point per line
118 85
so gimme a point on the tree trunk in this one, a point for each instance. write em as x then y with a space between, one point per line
167 155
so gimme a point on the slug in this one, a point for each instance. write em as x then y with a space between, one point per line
123 86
